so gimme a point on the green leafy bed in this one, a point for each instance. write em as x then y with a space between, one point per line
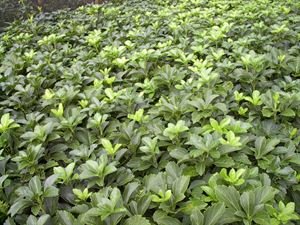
152 112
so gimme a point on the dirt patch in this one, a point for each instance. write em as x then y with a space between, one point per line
15 9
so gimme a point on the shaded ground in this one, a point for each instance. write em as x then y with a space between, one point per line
15 9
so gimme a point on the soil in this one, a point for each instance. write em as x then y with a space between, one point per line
11 9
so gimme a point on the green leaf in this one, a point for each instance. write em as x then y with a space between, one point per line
229 195
50 180
248 203
34 221
179 188
109 148
2 179
229 217
162 218
35 185
173 131
7 123
137 220
50 192
70 169
265 194
129 190
138 116
288 113
107 145
19 206
214 213
65 218
163 196
43 219
58 112
197 217
264 146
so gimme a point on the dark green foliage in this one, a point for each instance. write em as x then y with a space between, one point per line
152 112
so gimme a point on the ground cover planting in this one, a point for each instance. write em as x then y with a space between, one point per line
152 112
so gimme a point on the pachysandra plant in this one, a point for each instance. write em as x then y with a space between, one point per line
108 147
152 112
174 130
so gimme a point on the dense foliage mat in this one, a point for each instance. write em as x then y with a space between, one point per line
152 112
